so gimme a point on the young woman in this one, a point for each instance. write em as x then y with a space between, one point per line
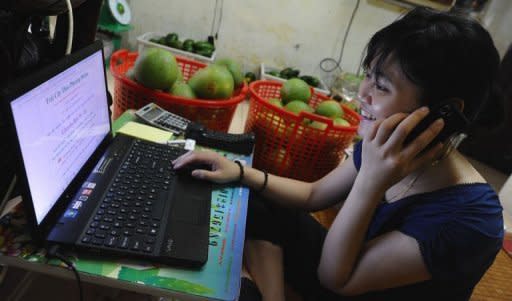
417 221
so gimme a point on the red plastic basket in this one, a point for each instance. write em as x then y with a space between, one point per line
286 145
128 94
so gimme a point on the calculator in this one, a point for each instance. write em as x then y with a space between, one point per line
156 116
160 118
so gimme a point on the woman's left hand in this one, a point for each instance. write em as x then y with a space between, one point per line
385 158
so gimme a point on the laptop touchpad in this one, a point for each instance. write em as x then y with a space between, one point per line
190 209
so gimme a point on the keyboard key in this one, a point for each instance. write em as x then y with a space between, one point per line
97 241
124 243
111 241
136 245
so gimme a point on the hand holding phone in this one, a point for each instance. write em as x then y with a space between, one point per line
454 122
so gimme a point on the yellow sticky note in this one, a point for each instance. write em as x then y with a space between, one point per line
145 132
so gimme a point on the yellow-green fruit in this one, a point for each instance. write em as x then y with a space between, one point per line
318 125
276 102
295 89
212 82
234 68
297 106
329 108
156 68
130 74
340 122
183 90
179 78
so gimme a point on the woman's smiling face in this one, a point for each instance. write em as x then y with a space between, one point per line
385 92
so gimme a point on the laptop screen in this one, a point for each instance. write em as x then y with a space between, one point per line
59 124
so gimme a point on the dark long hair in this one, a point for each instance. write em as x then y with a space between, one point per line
446 55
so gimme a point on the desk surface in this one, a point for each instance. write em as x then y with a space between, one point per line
219 279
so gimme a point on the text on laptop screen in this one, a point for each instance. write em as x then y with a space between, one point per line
59 124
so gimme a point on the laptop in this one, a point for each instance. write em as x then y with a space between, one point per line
84 188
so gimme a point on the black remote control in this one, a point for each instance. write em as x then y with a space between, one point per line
163 119
236 143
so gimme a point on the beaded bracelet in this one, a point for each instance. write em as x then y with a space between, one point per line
241 176
265 181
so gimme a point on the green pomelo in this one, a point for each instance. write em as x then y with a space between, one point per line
295 89
329 108
297 106
354 105
212 82
156 68
234 68
179 78
340 122
183 90
318 125
130 74
276 102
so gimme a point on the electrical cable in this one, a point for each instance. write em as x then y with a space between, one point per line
53 252
217 11
337 64
220 19
8 193
4 268
69 44
3 273
212 29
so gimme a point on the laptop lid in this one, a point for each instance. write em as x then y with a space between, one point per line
61 120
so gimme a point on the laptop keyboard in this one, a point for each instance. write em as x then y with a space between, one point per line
129 216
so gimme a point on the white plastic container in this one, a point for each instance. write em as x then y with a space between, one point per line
322 88
143 41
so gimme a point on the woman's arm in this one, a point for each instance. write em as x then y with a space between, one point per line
390 260
325 192
347 265
332 188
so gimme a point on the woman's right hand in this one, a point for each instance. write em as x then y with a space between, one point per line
222 170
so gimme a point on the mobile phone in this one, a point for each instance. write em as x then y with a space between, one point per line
454 122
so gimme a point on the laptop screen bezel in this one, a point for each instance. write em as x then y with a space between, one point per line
22 86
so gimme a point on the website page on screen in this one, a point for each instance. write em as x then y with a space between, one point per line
59 125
